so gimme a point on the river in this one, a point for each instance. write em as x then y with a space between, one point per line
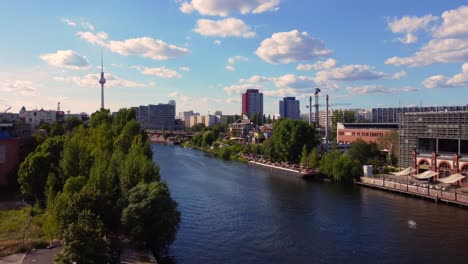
233 213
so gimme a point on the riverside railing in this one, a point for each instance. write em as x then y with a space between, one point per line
436 192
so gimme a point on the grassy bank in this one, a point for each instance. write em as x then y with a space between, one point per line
225 152
21 230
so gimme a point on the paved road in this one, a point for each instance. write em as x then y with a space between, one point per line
41 256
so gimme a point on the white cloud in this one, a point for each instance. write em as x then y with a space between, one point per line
87 25
66 59
217 42
436 51
227 7
377 89
240 88
289 84
440 81
162 72
455 24
399 75
232 60
292 46
351 73
235 100
69 22
144 47
19 87
92 81
319 65
184 68
229 27
449 42
410 24
93 38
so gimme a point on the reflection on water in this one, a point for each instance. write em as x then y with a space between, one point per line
233 213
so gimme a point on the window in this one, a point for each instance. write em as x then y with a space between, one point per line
444 170
2 153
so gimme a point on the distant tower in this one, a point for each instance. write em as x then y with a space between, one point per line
58 107
102 81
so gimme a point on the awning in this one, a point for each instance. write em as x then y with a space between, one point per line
404 172
452 178
425 175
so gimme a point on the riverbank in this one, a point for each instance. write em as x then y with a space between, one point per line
285 169
426 191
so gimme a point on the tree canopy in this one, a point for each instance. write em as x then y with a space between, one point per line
288 139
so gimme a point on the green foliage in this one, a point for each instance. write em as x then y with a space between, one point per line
208 138
225 153
345 169
364 152
71 123
56 129
85 177
314 158
102 116
289 137
327 162
198 127
83 241
76 155
34 170
304 155
197 140
151 215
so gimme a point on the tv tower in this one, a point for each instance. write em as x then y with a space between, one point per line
102 81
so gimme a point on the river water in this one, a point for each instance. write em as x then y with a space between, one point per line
233 213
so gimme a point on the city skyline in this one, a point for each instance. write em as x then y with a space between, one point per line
204 54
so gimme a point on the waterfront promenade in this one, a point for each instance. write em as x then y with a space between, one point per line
448 194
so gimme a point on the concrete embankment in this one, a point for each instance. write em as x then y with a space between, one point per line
283 170
425 191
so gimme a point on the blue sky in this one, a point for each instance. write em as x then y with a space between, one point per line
204 53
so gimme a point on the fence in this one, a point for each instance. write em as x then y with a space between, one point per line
436 192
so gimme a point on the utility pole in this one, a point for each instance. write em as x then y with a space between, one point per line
317 91
326 125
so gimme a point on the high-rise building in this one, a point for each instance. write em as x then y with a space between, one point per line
156 117
289 108
252 102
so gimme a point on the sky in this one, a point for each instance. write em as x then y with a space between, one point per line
205 53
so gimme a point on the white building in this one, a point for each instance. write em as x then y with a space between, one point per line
207 120
156 117
37 117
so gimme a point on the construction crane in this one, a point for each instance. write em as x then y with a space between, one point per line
316 105
5 111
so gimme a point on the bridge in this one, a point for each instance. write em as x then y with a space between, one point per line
156 135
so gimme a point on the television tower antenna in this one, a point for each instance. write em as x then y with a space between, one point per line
102 81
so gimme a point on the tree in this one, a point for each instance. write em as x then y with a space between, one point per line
304 155
208 138
363 151
345 169
289 137
83 241
100 117
198 127
56 129
151 215
391 142
34 170
327 162
314 158
71 123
